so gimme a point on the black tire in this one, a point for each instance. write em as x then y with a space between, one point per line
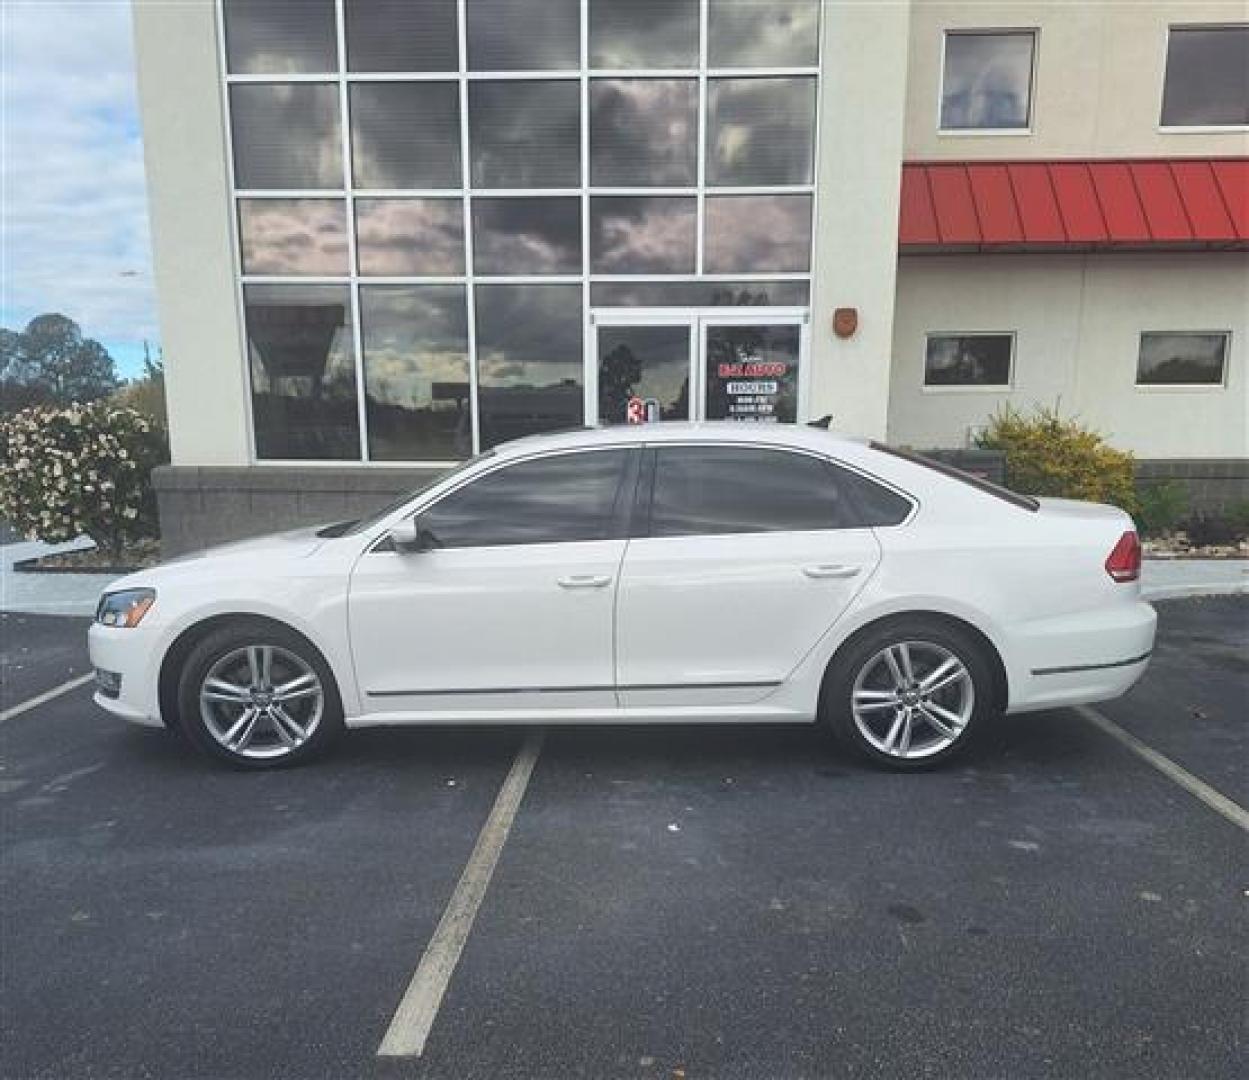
287 650
859 658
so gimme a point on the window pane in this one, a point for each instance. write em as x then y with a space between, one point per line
406 135
525 134
973 360
752 372
524 35
563 499
643 33
643 235
1207 81
402 35
873 505
987 81
647 362
709 490
763 33
415 340
303 376
1181 359
529 368
699 294
643 132
264 38
757 234
286 136
527 236
760 131
410 236
293 236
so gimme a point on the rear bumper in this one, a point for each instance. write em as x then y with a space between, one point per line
1094 656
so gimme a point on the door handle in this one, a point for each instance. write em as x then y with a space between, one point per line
585 581
830 570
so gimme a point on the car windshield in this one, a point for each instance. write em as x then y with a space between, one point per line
1024 502
359 525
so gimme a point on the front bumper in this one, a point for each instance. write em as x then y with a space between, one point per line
133 656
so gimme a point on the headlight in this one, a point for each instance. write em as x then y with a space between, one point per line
125 608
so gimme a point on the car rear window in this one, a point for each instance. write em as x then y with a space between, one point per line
1024 502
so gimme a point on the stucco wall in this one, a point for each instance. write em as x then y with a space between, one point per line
1098 82
1077 321
187 183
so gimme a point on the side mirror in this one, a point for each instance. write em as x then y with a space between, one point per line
409 536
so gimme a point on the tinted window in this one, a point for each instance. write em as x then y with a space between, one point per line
643 33
525 134
549 500
709 490
1207 80
760 131
643 132
293 236
968 359
987 81
405 135
1181 359
762 33
523 35
264 38
402 35
1024 502
873 504
527 236
286 135
753 234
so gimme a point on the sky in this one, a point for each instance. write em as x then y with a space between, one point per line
73 227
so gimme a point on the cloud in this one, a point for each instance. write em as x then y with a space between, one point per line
74 227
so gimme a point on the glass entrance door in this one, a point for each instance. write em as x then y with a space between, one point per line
673 366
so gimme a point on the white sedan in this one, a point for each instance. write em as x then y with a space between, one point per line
671 573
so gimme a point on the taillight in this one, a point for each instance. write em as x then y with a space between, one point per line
1124 561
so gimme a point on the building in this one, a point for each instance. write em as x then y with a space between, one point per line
391 233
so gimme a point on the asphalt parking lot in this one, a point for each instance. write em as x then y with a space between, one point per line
710 902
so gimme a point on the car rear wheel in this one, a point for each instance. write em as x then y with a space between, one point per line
909 695
258 696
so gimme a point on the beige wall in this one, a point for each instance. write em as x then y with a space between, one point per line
188 201
861 117
1098 81
1077 321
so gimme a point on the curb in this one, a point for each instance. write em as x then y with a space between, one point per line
1188 592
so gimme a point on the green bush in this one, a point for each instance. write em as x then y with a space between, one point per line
1160 507
80 470
1237 514
1049 455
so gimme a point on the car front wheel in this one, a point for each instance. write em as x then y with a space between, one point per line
909 695
258 696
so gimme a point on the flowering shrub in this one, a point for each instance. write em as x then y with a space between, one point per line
80 470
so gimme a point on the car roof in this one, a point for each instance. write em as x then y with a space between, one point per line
757 434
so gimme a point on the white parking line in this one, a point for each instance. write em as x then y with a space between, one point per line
47 695
1216 800
412 1021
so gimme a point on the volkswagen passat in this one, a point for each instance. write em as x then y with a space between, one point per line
666 573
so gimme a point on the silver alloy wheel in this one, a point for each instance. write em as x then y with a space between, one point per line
913 699
261 701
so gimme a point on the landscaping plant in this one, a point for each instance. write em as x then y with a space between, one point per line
1161 507
1047 454
81 470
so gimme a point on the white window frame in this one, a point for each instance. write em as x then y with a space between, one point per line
1190 129
967 31
1187 388
969 388
348 193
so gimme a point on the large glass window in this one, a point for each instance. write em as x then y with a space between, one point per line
525 134
401 35
303 379
529 360
527 236
986 80
416 379
264 38
293 236
1207 78
647 362
471 178
405 135
1180 358
643 132
714 490
982 360
561 499
643 34
286 135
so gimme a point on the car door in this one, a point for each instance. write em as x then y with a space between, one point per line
744 557
512 607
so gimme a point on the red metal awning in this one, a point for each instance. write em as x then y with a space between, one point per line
1184 203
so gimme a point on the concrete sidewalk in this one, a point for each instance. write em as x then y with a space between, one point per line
76 594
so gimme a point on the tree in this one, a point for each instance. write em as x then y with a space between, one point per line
146 394
51 361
